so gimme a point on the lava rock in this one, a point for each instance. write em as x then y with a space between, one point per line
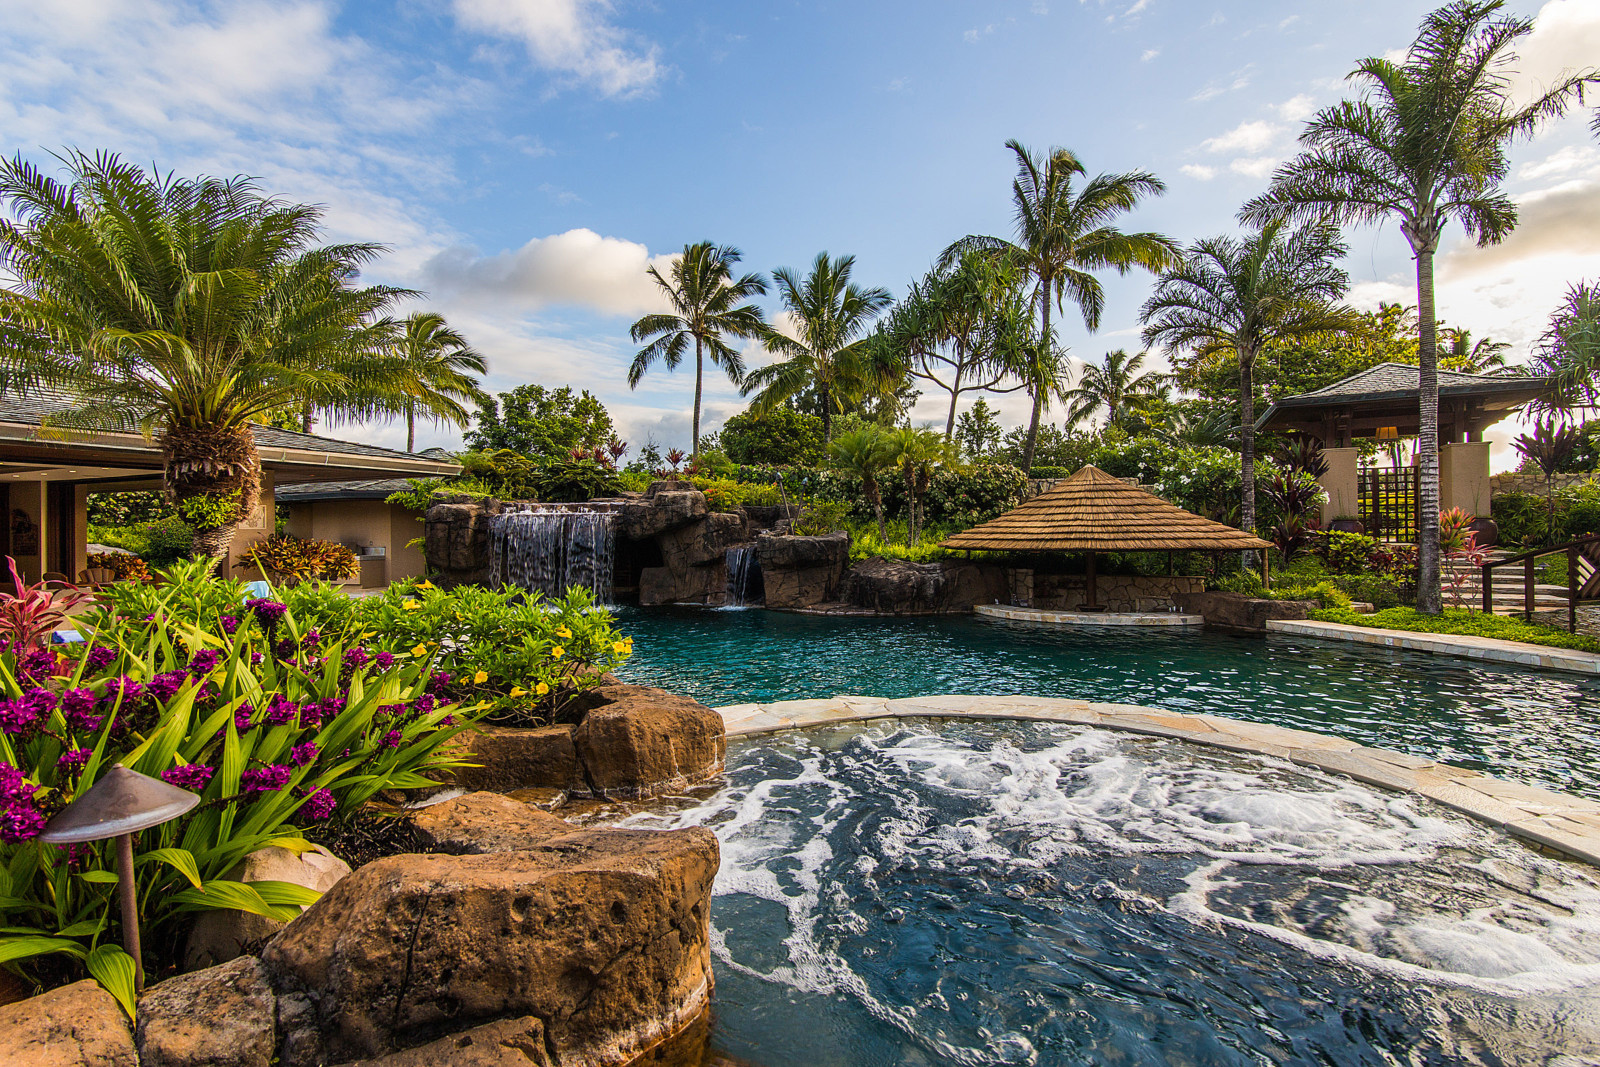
801 572
637 742
511 757
503 1043
899 587
79 1025
1236 613
477 823
661 511
220 1017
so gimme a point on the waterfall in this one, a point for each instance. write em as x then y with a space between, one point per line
744 576
550 549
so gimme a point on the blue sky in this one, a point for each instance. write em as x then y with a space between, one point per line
525 159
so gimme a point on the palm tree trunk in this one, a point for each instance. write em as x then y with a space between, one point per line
305 417
827 414
699 373
1033 423
411 430
1247 447
1429 597
869 485
911 504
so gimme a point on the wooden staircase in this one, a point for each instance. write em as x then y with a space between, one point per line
1509 594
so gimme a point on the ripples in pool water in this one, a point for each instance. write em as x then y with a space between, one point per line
983 893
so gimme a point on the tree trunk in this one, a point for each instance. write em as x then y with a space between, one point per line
1247 448
827 414
305 418
869 485
411 431
1429 597
1033 423
212 462
911 504
955 395
699 372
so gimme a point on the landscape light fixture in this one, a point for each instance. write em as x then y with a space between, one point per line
1388 433
120 804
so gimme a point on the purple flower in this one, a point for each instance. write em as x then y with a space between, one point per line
18 716
74 759
319 805
150 618
123 686
13 784
316 713
77 707
192 776
311 640
356 657
37 665
448 720
303 753
163 686
285 649
229 623
204 662
256 658
391 711
390 739
20 822
99 658
438 683
265 779
384 660
281 711
241 716
269 612
424 704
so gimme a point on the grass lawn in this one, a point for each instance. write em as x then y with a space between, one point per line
1462 621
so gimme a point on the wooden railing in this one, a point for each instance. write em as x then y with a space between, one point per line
1585 547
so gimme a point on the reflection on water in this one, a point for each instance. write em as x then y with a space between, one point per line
1025 893
1533 726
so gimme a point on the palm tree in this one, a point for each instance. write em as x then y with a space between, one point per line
1484 356
1240 294
1424 144
1063 236
1118 387
187 308
866 453
832 355
706 299
916 452
434 373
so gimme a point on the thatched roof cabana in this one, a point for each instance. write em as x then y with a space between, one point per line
1093 512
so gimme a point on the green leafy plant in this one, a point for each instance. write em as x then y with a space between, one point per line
820 517
210 511
126 568
292 559
1464 622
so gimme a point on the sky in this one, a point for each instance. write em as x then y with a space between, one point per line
525 160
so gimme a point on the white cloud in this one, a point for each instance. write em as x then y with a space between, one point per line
1297 108
1245 137
578 268
1253 167
1573 159
1148 54
1562 221
1199 171
570 37
1565 39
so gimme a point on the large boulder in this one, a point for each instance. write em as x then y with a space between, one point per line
220 1017
476 823
1236 613
692 585
899 587
703 542
456 539
602 935
78 1025
503 1043
801 572
637 742
222 935
661 511
510 757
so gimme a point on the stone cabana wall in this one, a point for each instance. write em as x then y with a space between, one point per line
1118 592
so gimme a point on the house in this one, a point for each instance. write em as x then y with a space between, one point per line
356 513
45 481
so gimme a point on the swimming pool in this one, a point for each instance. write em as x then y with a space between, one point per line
1540 727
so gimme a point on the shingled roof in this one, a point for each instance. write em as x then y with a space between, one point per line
1399 381
1093 512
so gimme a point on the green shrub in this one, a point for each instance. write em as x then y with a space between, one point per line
1523 519
1344 553
208 511
128 508
725 494
866 544
275 727
123 566
1049 472
159 544
819 518
1463 622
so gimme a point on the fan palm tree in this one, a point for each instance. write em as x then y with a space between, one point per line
1240 294
1063 236
1424 144
434 373
1118 387
833 354
706 301
867 453
188 309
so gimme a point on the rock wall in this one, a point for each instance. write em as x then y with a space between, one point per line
1117 592
898 587
1236 613
456 540
802 572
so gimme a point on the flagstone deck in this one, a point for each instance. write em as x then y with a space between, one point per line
1089 618
1555 822
1489 649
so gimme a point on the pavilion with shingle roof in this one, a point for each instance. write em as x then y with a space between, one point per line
1093 512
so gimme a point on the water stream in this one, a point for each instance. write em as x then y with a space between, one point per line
549 548
744 576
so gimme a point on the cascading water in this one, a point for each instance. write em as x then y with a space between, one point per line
744 576
550 549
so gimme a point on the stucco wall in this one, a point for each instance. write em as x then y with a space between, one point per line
257 526
362 523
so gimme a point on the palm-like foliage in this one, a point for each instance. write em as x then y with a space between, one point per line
917 452
708 305
1063 236
187 309
1424 144
833 354
435 372
1118 388
867 453
1241 293
1568 354
1483 356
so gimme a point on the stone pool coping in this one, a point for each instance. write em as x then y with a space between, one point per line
1489 649
1566 825
1089 618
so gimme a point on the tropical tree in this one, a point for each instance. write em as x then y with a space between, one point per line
867 453
435 372
707 306
916 451
1242 293
832 354
1118 388
1424 144
532 420
188 309
1568 353
978 430
1063 235
1483 356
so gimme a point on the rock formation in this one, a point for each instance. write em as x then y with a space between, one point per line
802 572
79 1025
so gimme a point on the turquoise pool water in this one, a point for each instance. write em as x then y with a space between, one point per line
1533 726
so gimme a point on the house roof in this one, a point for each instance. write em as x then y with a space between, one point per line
1400 381
359 489
1094 512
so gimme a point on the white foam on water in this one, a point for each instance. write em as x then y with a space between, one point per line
1087 792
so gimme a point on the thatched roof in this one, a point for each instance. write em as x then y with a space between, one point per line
1094 512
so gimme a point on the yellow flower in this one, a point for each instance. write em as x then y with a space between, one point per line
424 584
564 633
557 652
518 691
411 605
541 689
420 650
620 648
480 677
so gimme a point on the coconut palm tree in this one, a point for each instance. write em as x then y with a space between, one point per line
1483 356
706 301
833 354
1424 144
186 308
1239 294
434 373
867 453
1117 388
1063 236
